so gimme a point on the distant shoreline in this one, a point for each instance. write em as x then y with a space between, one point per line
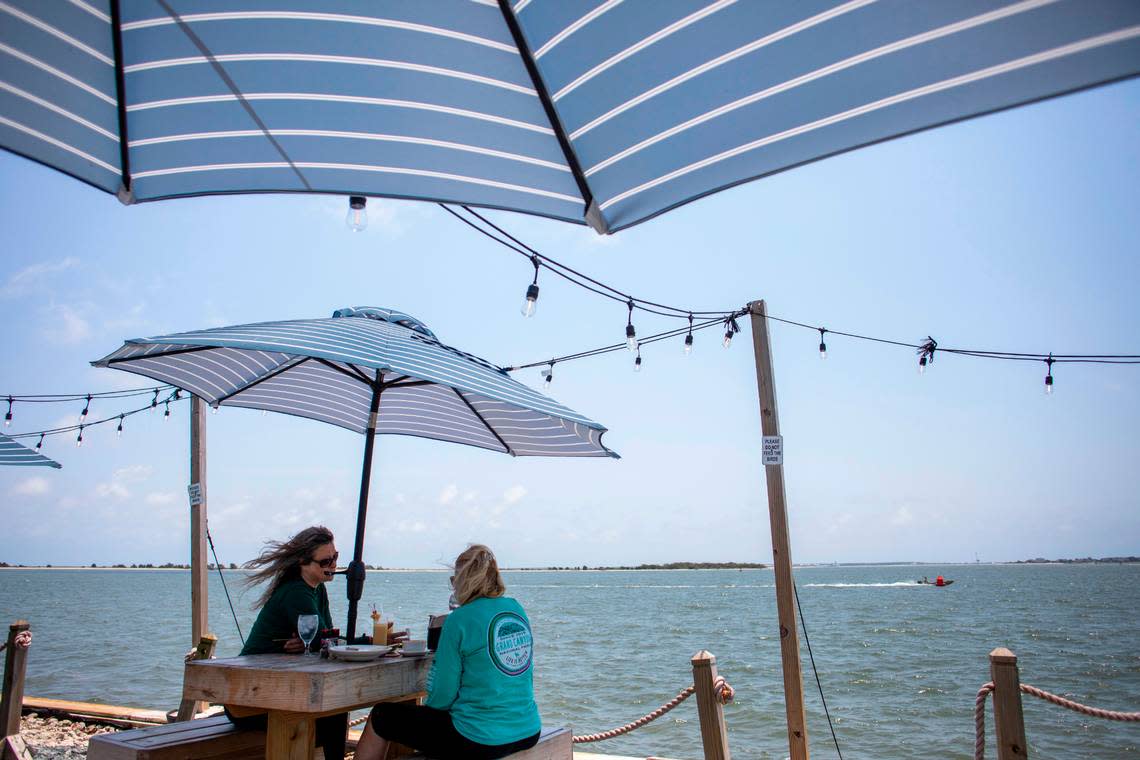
624 568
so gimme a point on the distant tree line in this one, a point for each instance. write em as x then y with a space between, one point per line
1081 561
666 566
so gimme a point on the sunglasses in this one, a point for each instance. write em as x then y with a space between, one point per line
327 562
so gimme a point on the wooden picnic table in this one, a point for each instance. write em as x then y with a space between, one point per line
295 690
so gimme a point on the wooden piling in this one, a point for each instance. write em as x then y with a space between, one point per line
1009 723
714 734
15 665
781 544
205 650
199 598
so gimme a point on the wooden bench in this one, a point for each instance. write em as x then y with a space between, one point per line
553 744
206 739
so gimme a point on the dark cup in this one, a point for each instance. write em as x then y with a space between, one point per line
435 628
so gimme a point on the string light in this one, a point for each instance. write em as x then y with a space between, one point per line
630 332
529 304
79 438
822 345
166 414
154 401
40 444
926 354
119 430
548 376
689 337
1049 375
730 329
637 361
357 217
214 408
8 416
86 408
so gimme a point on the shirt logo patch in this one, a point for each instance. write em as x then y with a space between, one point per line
509 643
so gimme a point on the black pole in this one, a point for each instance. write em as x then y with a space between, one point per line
355 573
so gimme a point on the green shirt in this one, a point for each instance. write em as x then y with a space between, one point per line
278 618
483 672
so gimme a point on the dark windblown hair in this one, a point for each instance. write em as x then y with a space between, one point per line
280 561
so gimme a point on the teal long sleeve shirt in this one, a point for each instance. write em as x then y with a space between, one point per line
483 672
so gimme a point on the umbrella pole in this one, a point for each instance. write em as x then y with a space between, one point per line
355 573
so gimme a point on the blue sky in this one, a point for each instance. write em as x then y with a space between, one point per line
1012 232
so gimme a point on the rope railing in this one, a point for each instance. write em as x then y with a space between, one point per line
987 688
724 694
23 640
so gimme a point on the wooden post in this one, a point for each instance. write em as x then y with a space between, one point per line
199 596
714 735
781 546
1009 724
204 651
15 665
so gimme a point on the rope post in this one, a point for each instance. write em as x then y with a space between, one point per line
188 708
1009 724
15 665
714 734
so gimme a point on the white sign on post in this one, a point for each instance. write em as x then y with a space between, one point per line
195 492
773 449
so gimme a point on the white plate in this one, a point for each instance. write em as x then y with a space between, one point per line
358 652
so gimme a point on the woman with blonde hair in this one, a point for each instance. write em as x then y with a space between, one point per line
480 703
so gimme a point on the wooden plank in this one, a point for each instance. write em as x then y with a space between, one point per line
781 544
199 594
12 694
93 710
714 734
1009 724
214 738
14 748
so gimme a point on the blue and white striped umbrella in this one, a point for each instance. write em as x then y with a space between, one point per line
598 111
13 454
375 371
326 369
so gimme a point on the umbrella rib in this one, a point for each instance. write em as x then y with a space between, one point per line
121 98
593 213
269 376
490 429
356 374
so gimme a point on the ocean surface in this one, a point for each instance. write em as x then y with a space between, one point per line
899 663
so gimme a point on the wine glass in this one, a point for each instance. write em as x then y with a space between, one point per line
307 629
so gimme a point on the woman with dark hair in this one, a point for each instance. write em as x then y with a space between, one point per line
480 703
296 571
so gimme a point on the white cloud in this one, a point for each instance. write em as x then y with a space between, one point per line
117 487
161 498
411 526
448 494
22 281
514 494
33 487
902 516
67 325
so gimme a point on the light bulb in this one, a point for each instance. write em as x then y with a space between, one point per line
166 414
1049 384
688 344
357 217
822 350
637 363
922 365
549 379
630 338
214 409
79 438
529 305
8 416
727 338
86 408
40 444
119 430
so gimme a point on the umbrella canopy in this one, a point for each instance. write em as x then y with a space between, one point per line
371 370
600 111
17 455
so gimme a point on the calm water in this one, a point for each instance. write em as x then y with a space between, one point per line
900 663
